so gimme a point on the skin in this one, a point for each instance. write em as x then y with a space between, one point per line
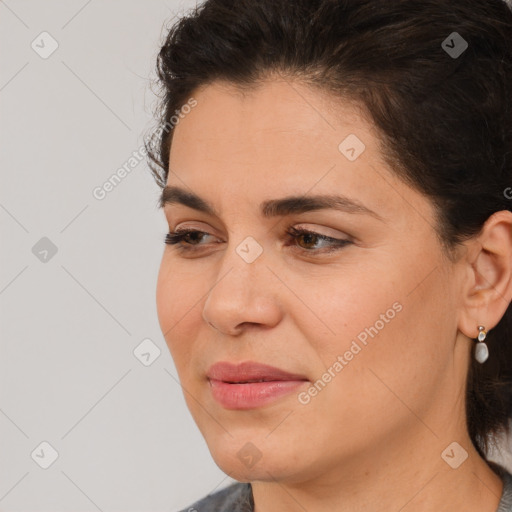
372 438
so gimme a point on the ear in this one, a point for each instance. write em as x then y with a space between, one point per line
487 275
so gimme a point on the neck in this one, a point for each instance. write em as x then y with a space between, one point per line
394 478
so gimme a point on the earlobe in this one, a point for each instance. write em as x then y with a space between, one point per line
487 290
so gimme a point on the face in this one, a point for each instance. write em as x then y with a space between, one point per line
361 312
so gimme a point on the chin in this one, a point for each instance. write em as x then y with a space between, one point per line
248 459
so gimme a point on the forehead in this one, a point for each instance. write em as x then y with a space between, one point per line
278 139
262 118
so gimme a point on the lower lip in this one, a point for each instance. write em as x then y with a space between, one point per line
252 394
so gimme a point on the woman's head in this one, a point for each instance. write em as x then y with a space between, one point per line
378 102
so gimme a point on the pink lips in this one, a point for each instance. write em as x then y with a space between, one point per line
249 384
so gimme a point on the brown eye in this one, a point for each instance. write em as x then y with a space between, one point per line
189 237
301 239
311 238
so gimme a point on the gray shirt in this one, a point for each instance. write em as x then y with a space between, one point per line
237 497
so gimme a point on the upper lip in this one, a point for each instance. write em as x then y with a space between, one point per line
249 371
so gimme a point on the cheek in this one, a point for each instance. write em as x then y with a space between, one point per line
165 297
386 334
403 300
177 294
349 303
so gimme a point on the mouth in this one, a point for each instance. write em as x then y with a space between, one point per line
250 385
249 372
250 381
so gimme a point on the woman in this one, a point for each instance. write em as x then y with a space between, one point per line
337 180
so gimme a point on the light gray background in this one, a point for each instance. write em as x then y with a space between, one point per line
125 439
69 325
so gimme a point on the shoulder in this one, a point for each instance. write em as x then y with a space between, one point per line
236 497
506 498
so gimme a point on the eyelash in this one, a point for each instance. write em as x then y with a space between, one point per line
177 237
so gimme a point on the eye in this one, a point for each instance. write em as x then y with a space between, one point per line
312 238
188 239
177 237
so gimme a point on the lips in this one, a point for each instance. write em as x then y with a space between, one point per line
249 371
250 385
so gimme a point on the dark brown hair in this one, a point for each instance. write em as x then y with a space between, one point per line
445 120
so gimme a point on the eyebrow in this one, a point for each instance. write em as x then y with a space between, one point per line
271 208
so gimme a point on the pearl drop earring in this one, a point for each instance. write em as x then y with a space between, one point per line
481 349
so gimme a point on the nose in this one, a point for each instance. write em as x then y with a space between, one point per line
244 296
